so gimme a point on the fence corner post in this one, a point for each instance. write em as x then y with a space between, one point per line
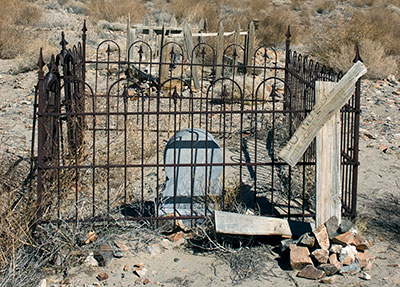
40 158
328 179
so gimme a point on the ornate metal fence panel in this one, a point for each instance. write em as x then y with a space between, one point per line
133 139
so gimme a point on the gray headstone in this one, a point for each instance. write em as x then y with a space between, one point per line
182 179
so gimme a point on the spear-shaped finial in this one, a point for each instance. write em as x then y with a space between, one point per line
84 29
41 62
288 35
63 42
357 57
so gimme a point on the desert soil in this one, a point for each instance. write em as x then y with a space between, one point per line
177 264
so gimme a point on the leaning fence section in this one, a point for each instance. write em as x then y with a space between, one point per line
134 135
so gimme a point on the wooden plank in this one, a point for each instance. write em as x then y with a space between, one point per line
128 36
189 48
328 188
220 51
322 112
242 224
165 59
243 33
237 42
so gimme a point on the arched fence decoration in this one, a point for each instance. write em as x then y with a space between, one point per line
102 123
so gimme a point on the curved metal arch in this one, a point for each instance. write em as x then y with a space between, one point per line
222 80
177 44
285 84
204 45
232 45
266 48
106 41
142 42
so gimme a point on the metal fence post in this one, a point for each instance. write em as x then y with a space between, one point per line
356 139
41 135
287 61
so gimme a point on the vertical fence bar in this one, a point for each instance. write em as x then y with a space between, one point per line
41 134
356 139
287 61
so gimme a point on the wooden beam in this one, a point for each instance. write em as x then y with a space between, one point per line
242 224
189 48
322 112
328 189
250 46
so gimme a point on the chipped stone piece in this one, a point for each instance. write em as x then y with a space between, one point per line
329 280
351 269
364 259
321 255
366 276
322 237
299 257
335 248
307 239
344 239
332 226
141 272
329 269
286 243
310 272
347 225
359 242
102 276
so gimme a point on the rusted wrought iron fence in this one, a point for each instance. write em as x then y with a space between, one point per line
116 141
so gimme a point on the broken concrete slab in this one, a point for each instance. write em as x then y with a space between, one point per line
299 257
310 272
322 237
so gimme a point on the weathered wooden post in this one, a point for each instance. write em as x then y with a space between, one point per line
202 29
220 51
128 36
165 51
237 42
187 34
328 189
250 46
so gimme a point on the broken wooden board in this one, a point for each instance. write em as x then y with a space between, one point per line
322 112
243 224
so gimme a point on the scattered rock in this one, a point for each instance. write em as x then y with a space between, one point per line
126 268
154 249
42 283
344 239
118 254
104 255
329 269
176 236
352 268
102 276
347 225
146 281
90 237
310 272
140 272
138 281
299 257
321 255
121 245
286 243
332 226
366 276
365 259
329 280
335 248
90 261
322 237
307 240
347 255
333 259
359 242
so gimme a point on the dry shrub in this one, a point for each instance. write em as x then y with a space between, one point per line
273 26
324 6
113 10
374 30
15 16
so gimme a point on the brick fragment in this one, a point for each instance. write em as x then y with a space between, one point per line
102 276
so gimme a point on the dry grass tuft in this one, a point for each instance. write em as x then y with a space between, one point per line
15 16
114 10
